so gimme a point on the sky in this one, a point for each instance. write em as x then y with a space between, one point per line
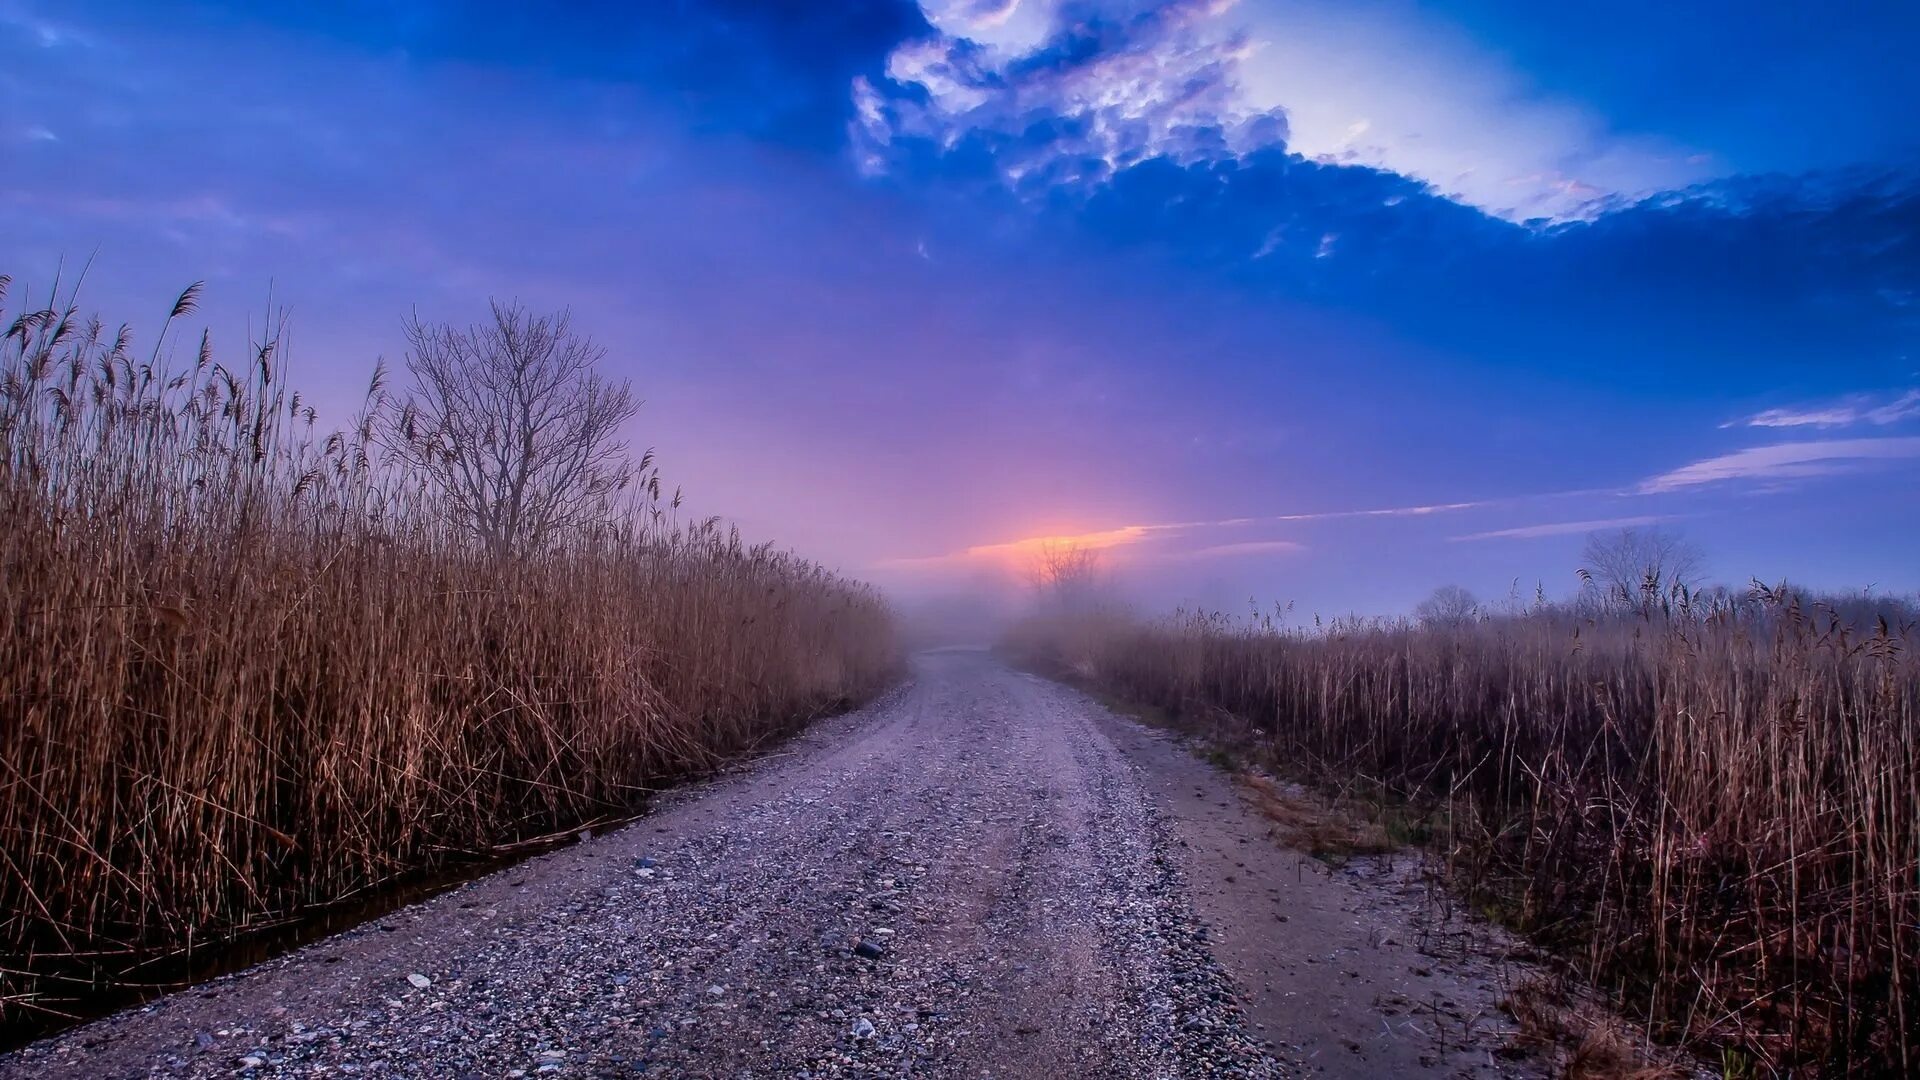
1325 302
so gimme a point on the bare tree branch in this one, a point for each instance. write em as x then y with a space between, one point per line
1636 568
514 426
1449 605
1066 577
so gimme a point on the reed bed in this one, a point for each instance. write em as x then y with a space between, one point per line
1711 806
250 667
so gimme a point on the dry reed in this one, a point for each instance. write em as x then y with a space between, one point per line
248 667
1713 807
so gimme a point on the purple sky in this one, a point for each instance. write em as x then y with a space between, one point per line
1323 302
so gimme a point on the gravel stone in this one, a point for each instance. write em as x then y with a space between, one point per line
1000 868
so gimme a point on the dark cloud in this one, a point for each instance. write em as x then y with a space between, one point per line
1127 132
1841 237
1712 277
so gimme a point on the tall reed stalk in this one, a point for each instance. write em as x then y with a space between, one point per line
248 666
1714 807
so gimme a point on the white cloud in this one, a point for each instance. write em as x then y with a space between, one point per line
1855 410
949 77
1012 26
1193 80
1128 536
1562 528
1784 461
1158 84
1404 91
1249 547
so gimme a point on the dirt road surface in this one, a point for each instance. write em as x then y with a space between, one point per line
983 874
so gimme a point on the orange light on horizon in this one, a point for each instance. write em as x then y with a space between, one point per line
1014 553
1017 554
1034 545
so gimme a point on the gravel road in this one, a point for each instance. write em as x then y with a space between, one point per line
967 878
982 874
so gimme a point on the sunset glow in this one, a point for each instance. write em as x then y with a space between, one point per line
1018 553
1312 301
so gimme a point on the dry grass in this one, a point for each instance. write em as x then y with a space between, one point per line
1313 825
1712 808
1587 1040
248 666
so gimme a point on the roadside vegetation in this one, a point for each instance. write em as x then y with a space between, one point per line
251 666
1707 801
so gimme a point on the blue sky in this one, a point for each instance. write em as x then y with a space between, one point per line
905 284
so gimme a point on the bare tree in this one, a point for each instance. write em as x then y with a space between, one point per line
1449 605
1637 567
1065 577
514 426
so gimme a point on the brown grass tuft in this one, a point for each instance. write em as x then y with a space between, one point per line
1311 824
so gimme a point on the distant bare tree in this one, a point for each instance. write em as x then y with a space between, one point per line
1636 567
514 426
1065 577
1449 605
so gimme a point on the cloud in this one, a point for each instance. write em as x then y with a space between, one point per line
1856 410
1090 541
1164 136
1823 256
1784 461
1562 528
1073 93
1250 547
43 33
1125 536
1332 515
1837 244
1065 97
1777 462
1414 95
1027 548
1005 24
